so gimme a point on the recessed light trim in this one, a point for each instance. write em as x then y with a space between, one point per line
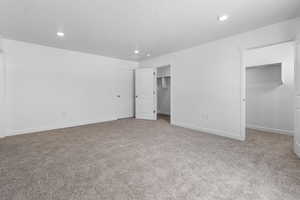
223 18
60 34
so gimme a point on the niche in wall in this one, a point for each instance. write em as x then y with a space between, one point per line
264 75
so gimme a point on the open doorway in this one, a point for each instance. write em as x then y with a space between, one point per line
269 89
164 93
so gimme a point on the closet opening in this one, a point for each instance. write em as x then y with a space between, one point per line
164 93
269 89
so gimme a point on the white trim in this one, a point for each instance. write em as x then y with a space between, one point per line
270 130
56 126
271 44
171 94
222 133
297 95
243 95
297 149
155 92
3 101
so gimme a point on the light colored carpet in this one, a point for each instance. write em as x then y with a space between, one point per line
146 160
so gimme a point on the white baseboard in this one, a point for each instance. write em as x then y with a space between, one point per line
56 126
211 131
270 130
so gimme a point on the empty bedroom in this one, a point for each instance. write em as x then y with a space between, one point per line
150 100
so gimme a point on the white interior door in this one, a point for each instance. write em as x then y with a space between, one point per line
297 100
125 93
145 93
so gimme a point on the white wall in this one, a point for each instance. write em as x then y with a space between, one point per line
270 106
163 71
206 80
51 88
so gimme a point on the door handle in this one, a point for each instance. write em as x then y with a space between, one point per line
118 96
136 96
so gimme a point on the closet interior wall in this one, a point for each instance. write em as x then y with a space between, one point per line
163 90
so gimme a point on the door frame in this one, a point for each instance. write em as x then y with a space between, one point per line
3 105
243 83
297 96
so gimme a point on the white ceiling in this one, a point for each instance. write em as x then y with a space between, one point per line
116 27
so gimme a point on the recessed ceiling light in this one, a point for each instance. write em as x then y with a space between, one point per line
60 34
148 54
223 18
136 51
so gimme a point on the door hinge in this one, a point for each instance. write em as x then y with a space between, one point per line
153 92
154 73
154 111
